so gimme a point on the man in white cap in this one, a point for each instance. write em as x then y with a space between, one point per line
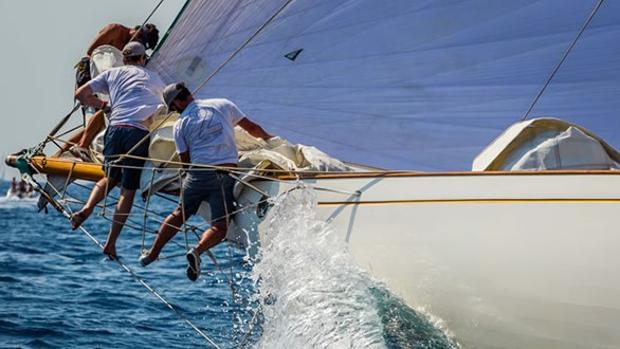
135 95
204 134
117 36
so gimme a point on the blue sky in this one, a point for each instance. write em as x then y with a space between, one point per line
42 41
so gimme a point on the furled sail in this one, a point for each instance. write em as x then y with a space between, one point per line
401 84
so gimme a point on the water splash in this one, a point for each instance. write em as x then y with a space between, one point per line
316 297
313 295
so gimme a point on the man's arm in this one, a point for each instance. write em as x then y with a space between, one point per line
86 96
254 129
105 36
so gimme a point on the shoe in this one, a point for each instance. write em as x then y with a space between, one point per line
145 260
193 267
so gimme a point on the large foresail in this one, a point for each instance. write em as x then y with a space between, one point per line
402 84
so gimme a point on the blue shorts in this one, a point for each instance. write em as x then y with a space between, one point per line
118 141
216 188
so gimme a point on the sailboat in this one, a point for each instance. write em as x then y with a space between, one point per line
474 199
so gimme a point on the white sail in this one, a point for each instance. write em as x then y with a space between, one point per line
401 84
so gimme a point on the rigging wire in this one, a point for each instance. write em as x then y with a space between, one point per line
67 213
147 19
243 45
215 72
564 56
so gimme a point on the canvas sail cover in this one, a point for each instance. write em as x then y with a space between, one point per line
546 144
400 84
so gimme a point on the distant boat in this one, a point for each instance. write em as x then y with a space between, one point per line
20 192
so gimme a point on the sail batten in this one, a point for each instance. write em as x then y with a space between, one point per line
402 84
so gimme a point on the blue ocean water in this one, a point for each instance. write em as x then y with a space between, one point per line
58 291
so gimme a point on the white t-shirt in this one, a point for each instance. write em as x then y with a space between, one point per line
135 93
206 129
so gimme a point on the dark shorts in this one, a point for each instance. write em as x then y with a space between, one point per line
213 187
119 141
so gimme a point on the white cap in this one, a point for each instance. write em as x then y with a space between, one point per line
133 49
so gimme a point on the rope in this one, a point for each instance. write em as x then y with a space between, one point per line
243 45
154 292
242 170
67 213
131 223
63 121
182 204
564 56
216 71
205 167
154 213
146 208
51 136
146 20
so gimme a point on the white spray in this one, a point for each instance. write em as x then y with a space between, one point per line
318 298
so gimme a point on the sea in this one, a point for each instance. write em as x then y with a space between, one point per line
57 290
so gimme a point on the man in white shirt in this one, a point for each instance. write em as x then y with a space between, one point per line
135 95
204 134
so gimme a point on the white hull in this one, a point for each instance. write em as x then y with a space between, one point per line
505 260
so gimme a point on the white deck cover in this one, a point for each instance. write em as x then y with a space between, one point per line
546 144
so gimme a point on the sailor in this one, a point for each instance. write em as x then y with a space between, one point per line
203 134
118 36
21 189
135 94
14 186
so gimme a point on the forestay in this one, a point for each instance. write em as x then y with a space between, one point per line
401 84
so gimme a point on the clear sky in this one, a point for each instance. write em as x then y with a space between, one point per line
42 40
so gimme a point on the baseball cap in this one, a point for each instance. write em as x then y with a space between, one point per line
171 92
134 49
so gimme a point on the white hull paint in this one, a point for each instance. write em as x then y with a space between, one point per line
505 260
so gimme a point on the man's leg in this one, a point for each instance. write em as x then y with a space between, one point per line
125 139
94 126
123 207
192 198
75 139
83 138
211 237
222 205
167 231
96 195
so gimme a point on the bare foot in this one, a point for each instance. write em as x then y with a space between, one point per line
110 251
78 218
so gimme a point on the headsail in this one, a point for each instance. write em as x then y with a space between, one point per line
401 84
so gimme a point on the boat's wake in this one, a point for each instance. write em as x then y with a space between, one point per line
10 201
317 298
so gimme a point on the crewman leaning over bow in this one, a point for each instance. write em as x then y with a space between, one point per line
118 36
135 94
204 134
